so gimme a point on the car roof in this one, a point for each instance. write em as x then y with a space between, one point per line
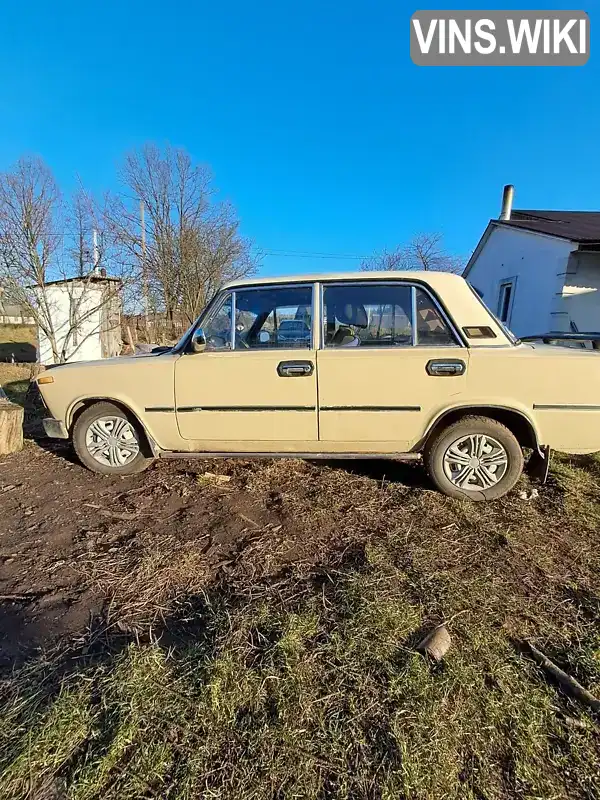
426 276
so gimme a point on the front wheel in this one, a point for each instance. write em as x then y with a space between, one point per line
109 441
476 458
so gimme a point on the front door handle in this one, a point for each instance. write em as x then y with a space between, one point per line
439 367
295 369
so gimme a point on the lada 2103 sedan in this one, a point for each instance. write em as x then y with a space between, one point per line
408 365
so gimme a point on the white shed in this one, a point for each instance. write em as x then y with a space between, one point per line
86 318
539 271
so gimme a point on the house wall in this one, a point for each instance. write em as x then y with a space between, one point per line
86 345
111 343
539 263
581 292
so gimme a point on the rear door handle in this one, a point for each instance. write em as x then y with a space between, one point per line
440 367
295 369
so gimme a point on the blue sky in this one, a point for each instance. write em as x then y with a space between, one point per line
317 125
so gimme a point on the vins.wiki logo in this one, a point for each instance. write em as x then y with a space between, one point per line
500 38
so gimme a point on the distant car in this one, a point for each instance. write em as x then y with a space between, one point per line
407 365
293 330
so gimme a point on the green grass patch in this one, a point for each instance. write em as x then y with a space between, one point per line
16 391
315 694
14 379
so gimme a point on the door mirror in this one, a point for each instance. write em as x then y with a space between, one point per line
198 341
264 337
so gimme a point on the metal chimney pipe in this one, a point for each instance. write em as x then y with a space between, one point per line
507 201
95 251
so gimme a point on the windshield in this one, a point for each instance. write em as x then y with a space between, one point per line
184 339
185 336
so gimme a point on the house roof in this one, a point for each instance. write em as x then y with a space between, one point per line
577 226
84 279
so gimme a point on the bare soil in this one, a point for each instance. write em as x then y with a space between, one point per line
62 525
74 545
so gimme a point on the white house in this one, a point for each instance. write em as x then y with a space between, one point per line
86 318
539 271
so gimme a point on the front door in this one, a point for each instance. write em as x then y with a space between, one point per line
256 382
390 362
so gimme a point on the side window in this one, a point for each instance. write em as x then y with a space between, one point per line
367 315
432 330
280 316
382 315
218 328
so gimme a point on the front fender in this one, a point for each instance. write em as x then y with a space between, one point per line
161 429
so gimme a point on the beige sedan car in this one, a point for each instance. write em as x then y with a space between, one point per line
404 365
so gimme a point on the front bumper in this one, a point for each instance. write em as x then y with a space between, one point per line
54 428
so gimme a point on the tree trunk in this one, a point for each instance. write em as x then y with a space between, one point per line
11 428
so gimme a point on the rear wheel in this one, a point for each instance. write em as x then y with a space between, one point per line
109 441
476 458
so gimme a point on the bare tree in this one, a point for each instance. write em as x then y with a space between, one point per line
425 251
213 254
191 243
33 227
85 224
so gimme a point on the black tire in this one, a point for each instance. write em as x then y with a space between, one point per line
80 430
438 446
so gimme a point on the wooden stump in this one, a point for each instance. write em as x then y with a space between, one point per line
11 427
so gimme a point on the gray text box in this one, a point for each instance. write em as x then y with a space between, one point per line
500 38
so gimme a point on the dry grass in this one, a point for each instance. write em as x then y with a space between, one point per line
287 669
18 343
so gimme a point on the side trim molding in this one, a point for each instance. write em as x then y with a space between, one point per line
193 409
370 408
564 407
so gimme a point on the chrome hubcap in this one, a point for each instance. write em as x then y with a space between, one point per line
112 441
475 462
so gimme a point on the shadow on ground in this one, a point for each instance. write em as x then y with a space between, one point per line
22 352
382 469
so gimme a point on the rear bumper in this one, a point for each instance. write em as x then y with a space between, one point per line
55 429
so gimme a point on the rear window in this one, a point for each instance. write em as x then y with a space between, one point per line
508 333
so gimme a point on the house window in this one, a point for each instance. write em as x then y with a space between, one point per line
505 300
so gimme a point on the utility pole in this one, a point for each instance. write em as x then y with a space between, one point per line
144 273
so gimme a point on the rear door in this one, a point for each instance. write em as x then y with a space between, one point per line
390 361
250 386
